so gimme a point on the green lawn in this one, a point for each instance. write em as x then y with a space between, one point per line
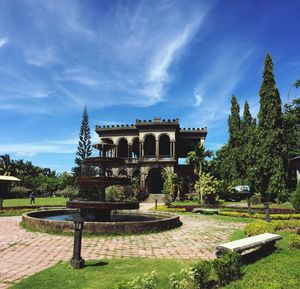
53 201
103 274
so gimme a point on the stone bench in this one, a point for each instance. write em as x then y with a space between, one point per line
263 240
205 211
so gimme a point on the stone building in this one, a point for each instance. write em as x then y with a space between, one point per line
148 147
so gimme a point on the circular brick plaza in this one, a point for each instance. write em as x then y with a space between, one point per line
24 253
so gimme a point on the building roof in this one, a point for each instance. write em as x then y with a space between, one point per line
9 178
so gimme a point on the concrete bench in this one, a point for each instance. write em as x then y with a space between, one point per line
263 240
205 211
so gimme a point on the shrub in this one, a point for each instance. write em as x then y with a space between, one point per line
228 268
256 199
202 271
294 242
259 216
170 186
182 280
145 282
68 192
162 208
118 193
296 198
259 227
20 192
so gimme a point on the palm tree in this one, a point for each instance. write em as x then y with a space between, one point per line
5 165
197 158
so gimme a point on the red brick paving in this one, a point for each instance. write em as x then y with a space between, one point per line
24 253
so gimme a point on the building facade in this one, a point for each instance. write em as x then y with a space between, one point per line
147 147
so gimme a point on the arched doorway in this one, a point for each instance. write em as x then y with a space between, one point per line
123 148
135 148
149 145
164 145
154 181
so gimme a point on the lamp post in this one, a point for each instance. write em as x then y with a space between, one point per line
76 261
267 211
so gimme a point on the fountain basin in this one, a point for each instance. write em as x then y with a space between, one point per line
122 222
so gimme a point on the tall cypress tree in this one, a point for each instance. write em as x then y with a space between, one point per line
271 173
234 143
248 157
84 148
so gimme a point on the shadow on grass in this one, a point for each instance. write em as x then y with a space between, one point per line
95 264
257 255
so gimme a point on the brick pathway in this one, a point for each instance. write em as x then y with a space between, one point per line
24 253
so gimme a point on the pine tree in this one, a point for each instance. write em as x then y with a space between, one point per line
84 148
271 173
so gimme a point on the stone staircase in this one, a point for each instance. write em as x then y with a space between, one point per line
152 197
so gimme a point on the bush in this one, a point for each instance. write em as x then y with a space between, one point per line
256 199
68 192
259 227
145 282
228 268
20 192
118 193
162 208
182 280
202 271
296 199
259 216
294 242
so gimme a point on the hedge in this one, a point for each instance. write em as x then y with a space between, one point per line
260 216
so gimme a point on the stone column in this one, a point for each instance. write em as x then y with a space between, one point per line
143 153
130 151
174 152
157 148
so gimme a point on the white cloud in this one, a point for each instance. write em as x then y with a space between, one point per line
198 97
3 41
67 146
41 56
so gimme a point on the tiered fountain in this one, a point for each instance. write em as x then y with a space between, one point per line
98 214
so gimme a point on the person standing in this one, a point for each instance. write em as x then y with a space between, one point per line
32 198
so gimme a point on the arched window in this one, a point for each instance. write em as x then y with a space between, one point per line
164 145
123 148
122 173
135 148
149 145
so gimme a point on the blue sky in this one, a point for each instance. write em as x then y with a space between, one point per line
134 59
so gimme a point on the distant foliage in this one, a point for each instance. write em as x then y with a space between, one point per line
20 192
296 198
68 192
206 187
118 193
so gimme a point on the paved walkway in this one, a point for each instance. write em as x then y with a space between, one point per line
24 253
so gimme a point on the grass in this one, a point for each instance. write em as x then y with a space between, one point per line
51 201
103 274
10 213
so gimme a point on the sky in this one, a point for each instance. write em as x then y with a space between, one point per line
129 60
